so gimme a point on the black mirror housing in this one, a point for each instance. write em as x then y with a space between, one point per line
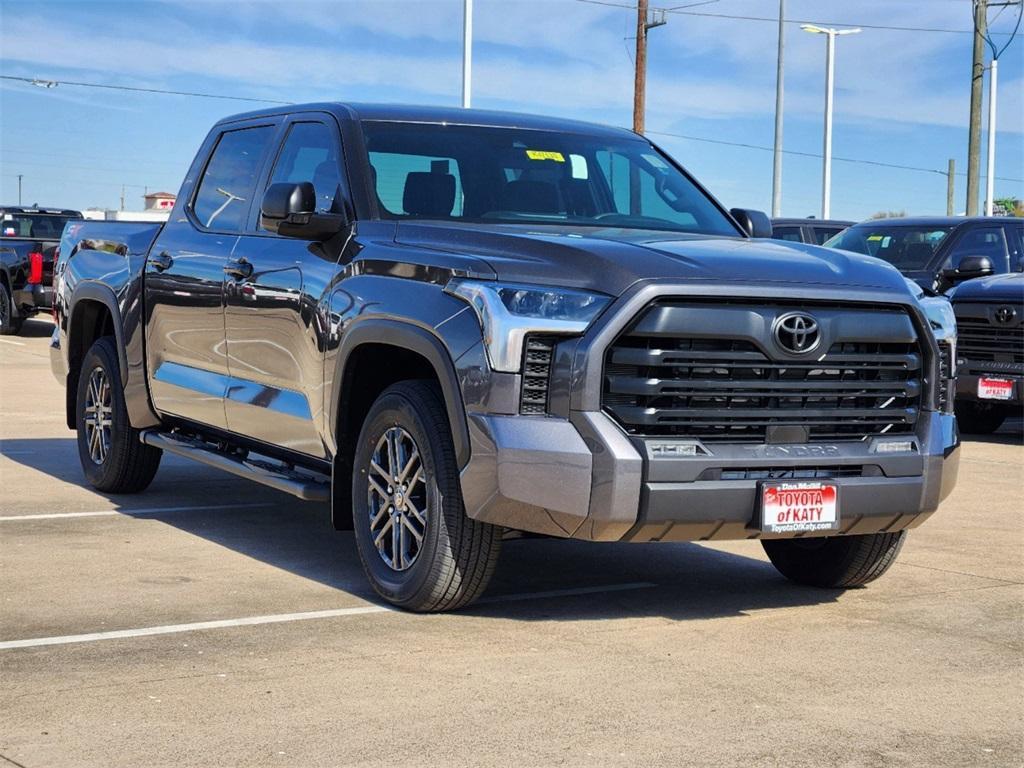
974 266
754 223
290 210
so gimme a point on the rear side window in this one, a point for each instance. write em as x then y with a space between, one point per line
229 181
308 154
791 234
821 234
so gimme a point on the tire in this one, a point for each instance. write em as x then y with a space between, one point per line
9 324
451 563
113 458
979 418
835 562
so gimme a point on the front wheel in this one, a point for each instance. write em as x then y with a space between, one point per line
836 562
419 549
113 457
9 324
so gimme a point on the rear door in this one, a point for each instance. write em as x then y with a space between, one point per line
274 299
184 282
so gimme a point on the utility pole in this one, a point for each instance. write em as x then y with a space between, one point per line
467 52
19 188
950 186
977 80
777 158
643 25
990 173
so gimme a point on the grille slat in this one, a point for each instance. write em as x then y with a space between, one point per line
731 389
978 339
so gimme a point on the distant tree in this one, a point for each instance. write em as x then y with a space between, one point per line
1011 205
888 215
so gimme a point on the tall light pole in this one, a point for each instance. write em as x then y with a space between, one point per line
830 52
467 51
990 173
777 157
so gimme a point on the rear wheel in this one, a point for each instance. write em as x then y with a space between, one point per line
836 562
419 549
979 418
113 457
9 324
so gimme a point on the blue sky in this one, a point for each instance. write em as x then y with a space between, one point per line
901 97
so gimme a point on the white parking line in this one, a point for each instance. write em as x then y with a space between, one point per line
11 341
168 629
129 512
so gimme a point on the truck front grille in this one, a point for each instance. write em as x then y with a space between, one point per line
727 389
978 339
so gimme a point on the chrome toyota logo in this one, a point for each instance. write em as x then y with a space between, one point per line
1005 315
797 332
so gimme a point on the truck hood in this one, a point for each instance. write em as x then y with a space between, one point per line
611 260
1009 288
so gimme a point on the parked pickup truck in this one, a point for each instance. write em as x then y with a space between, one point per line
457 324
990 351
28 240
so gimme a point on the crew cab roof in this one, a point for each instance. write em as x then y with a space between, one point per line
39 209
427 114
934 221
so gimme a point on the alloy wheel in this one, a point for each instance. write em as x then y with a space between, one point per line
397 499
98 415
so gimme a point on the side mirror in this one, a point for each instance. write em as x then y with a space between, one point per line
970 267
290 210
754 223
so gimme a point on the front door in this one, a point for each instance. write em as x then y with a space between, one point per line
184 281
274 297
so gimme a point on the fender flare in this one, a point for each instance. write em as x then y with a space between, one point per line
380 330
98 292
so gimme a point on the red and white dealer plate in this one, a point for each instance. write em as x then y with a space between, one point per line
799 507
994 389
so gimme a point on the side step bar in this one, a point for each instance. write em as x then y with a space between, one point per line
298 484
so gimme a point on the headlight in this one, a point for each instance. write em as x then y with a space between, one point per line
508 312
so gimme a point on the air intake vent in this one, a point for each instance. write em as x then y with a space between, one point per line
537 355
947 383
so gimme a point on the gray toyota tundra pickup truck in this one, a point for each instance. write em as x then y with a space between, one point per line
455 325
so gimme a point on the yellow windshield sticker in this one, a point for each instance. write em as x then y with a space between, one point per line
537 154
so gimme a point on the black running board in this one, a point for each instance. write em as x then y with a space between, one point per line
299 484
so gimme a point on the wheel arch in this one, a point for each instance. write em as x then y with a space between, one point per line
93 313
411 352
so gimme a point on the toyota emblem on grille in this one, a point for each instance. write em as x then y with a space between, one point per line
1005 315
797 332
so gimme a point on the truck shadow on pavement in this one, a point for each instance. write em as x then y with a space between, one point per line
1010 433
676 581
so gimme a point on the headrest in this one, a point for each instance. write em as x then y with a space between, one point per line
530 197
429 194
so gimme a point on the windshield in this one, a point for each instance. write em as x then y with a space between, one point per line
905 246
511 175
45 226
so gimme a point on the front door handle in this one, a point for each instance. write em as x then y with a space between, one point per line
239 269
162 261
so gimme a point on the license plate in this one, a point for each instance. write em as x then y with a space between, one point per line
798 507
994 389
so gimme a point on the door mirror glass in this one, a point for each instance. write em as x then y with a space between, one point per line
290 210
754 223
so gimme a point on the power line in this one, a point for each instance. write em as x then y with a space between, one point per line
44 83
775 20
857 160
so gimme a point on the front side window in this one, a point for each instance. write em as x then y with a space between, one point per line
513 175
308 154
907 247
981 241
229 180
792 234
821 234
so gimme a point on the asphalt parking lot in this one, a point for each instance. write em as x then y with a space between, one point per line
579 655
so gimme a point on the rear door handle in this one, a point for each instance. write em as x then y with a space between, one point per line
162 261
239 269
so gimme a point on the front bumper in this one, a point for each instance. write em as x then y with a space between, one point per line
969 373
584 478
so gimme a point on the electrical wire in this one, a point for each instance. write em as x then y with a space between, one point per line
45 83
